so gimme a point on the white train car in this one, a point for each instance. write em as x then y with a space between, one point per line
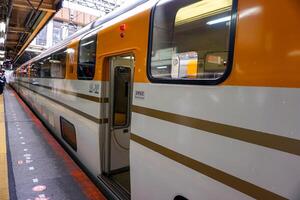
178 99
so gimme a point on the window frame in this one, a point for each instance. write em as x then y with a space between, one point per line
78 57
227 71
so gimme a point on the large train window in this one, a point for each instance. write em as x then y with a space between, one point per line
58 64
87 58
191 41
35 70
24 71
45 67
52 66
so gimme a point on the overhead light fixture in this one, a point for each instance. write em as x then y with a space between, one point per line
220 20
2 27
202 9
1 62
2 52
1 56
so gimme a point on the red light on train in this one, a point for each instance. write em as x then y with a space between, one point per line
123 27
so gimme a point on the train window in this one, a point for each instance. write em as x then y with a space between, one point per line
24 72
58 64
68 132
87 58
35 70
122 78
191 41
45 67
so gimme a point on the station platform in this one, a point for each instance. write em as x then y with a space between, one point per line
33 166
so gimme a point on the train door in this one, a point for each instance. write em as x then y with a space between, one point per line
121 82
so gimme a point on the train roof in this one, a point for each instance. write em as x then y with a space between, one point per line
92 26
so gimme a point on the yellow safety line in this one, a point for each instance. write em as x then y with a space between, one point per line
4 191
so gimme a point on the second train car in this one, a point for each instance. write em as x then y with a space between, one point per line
178 99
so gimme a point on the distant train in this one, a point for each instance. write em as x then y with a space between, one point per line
178 99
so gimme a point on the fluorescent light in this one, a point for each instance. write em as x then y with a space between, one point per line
2 27
90 42
127 57
2 52
1 62
220 20
1 40
54 61
34 50
201 10
162 67
1 56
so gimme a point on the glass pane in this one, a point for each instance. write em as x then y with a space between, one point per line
122 78
41 38
191 39
87 58
57 32
58 64
45 67
72 29
34 70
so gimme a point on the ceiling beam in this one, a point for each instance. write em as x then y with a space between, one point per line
10 43
48 7
17 30
40 25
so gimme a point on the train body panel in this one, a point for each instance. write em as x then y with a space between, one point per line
266 45
224 143
173 177
50 108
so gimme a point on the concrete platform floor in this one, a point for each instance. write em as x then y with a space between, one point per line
38 167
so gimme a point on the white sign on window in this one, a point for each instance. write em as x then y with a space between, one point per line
184 65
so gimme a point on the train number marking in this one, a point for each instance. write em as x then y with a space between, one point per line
94 88
140 94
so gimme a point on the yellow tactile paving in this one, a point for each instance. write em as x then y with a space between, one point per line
4 192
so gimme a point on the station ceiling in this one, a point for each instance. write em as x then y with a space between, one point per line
23 20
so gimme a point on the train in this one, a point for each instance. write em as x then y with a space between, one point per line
178 99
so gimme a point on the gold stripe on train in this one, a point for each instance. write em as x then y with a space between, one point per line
272 141
83 114
80 95
216 174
